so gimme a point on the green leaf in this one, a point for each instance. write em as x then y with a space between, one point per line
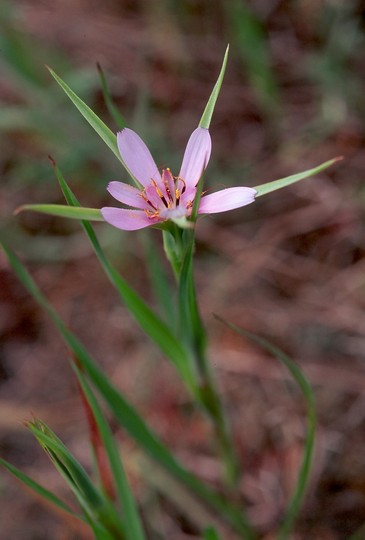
152 325
263 189
113 110
304 472
37 488
134 530
61 210
209 108
126 415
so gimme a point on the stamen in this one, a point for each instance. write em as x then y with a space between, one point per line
159 192
178 178
151 214
146 199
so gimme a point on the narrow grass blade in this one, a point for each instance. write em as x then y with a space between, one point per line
112 108
305 387
154 327
40 490
60 455
134 530
263 189
127 416
65 211
209 108
96 505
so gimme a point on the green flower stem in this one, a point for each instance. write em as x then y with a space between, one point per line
179 248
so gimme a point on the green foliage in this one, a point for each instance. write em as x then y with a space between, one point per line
91 214
127 416
38 489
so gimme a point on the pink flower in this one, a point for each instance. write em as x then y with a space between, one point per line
164 197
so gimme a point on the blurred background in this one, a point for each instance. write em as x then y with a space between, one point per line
290 267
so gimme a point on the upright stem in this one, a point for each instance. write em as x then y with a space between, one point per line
179 247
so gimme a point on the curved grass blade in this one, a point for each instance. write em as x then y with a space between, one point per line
112 108
305 387
209 108
96 506
134 530
154 327
40 490
263 189
127 416
73 472
62 210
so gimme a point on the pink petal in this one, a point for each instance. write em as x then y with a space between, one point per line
226 199
137 157
196 157
126 194
127 220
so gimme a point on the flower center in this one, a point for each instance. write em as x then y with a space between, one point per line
164 200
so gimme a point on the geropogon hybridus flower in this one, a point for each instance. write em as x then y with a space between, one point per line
164 196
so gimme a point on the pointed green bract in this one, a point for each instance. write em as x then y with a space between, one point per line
95 122
263 189
306 389
209 108
37 488
62 210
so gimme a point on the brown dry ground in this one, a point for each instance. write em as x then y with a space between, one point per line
291 268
